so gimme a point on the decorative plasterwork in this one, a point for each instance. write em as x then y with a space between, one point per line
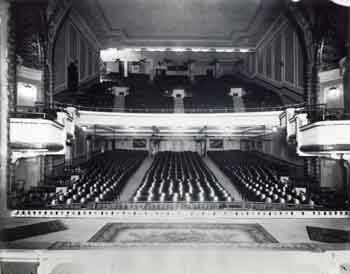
57 10
29 73
81 24
245 28
307 35
178 124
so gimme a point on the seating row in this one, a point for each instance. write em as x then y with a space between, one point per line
258 180
103 178
180 177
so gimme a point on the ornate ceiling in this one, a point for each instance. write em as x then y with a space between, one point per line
209 23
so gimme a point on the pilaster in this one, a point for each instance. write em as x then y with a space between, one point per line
4 107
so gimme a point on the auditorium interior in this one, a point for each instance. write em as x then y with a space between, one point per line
174 136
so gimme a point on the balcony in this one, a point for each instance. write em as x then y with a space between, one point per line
36 136
324 138
178 124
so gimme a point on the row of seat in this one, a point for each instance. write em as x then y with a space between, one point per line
204 103
205 93
257 180
103 179
148 102
180 177
35 198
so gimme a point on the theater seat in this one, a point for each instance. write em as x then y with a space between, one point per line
180 177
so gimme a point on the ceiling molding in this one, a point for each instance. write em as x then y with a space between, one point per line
246 29
280 22
83 27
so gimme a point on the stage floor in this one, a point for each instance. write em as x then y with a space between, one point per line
125 231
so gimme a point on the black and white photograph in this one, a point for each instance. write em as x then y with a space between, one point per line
174 136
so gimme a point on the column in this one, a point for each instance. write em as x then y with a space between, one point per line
237 101
178 95
48 165
41 161
125 68
88 147
315 84
4 110
308 86
119 98
68 155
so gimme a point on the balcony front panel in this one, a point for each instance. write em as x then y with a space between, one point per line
324 137
37 134
184 120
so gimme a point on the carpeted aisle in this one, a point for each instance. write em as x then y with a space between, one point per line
135 180
223 180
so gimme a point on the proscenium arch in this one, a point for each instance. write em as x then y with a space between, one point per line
305 36
56 21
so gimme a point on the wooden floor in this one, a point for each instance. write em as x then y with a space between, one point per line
70 251
285 231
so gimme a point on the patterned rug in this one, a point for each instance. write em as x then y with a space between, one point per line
328 235
137 233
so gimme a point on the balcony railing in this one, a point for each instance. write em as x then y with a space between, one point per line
34 112
59 105
320 112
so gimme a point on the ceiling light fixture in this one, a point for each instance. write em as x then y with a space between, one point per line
344 3
111 54
178 49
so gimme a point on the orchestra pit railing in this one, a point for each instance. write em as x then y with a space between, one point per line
239 205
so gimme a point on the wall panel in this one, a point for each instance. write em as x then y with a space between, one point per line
260 61
72 43
269 61
289 55
300 69
59 64
278 58
82 60
279 61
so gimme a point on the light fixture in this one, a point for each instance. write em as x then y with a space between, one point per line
345 3
334 155
178 49
333 93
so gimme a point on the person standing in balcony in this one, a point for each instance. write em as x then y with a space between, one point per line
73 76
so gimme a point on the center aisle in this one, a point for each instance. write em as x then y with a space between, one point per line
135 180
223 180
